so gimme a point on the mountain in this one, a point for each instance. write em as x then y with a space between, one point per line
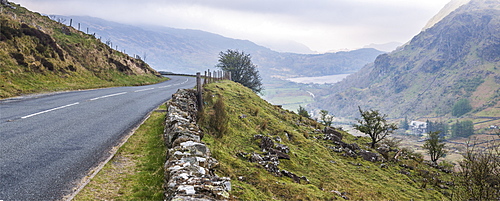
286 46
386 47
457 58
189 51
38 54
448 8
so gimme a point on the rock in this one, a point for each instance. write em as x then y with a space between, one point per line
189 167
266 143
255 158
332 134
370 156
295 178
6 3
404 172
281 147
407 166
280 154
289 136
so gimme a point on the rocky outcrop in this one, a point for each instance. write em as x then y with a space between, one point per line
189 170
272 152
6 3
349 150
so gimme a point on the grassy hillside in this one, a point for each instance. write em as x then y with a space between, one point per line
38 54
238 123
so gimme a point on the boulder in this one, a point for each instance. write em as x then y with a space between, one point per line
370 156
332 134
266 143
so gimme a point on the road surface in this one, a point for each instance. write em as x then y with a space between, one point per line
49 142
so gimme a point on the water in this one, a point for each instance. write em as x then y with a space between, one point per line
328 79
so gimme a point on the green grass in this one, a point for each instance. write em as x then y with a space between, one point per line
26 83
136 171
36 57
326 170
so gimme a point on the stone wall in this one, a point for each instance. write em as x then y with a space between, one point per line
189 173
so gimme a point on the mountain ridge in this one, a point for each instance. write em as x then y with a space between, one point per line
433 71
188 51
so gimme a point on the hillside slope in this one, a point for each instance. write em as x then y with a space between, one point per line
187 51
458 58
273 154
38 54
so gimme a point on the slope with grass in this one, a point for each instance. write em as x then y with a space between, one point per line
38 54
324 174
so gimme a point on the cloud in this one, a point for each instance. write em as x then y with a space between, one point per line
320 24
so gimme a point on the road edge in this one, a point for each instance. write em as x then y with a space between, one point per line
94 171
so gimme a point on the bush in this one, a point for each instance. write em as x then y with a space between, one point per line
220 119
479 178
303 112
462 129
461 107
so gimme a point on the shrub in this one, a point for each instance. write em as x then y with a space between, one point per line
220 119
303 112
461 107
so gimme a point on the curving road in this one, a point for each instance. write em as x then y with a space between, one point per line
49 142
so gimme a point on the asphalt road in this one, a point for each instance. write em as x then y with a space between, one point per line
49 142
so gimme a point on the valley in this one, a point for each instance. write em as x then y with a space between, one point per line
446 79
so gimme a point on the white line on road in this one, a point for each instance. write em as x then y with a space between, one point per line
106 96
27 116
164 86
144 89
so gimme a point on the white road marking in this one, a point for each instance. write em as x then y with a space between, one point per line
106 96
144 89
165 86
27 116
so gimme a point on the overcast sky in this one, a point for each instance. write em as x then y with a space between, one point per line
321 25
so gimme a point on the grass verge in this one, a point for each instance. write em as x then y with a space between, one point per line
26 83
136 171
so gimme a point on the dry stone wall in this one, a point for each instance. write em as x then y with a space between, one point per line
189 173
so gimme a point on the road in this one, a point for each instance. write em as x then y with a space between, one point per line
49 142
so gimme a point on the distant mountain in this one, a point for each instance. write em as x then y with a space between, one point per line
287 46
189 51
386 47
457 58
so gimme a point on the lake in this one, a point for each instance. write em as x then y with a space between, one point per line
328 79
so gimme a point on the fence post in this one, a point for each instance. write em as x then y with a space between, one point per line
205 80
229 75
198 90
209 76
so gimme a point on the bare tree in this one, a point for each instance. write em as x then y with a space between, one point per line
479 176
375 125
